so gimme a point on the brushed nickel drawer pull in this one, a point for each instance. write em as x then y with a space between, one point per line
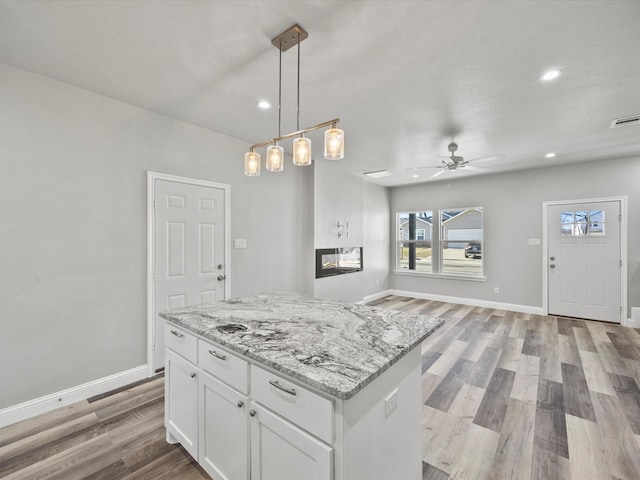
290 391
177 334
217 355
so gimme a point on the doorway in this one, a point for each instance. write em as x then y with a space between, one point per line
585 259
187 250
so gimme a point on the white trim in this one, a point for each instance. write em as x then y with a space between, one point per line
448 276
31 408
376 296
623 250
151 178
464 301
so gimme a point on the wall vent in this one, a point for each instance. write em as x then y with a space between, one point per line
623 122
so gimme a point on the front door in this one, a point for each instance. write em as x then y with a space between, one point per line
189 250
584 260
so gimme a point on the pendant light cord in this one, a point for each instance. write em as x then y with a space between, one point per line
298 106
280 92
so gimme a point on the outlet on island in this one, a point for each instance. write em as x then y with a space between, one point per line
391 403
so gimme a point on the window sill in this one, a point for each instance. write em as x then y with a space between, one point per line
447 276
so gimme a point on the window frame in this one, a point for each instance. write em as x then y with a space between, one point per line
437 243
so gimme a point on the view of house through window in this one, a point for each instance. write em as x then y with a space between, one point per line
415 240
449 242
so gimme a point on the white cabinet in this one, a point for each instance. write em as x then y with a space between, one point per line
224 430
282 451
181 402
244 421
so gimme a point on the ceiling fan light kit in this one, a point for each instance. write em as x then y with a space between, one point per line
333 137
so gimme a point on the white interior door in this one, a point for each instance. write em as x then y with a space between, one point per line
189 250
584 260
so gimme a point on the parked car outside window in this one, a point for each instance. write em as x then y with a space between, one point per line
473 250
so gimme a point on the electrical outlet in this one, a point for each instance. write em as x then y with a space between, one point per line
390 403
496 290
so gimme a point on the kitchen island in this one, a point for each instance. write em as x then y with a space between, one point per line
286 386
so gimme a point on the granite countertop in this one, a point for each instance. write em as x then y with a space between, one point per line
336 347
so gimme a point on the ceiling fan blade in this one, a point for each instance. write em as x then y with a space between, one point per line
437 174
422 168
488 158
476 169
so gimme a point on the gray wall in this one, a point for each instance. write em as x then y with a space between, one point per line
338 196
512 214
73 228
341 196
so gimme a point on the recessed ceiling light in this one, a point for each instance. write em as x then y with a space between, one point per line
415 175
550 75
263 104
550 155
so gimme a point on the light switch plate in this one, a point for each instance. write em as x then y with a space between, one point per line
240 243
534 241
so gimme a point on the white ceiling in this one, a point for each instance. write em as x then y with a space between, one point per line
405 77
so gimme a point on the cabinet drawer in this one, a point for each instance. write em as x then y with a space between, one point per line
297 404
181 342
226 366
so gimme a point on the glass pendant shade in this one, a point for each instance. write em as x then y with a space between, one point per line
275 158
334 144
252 164
302 151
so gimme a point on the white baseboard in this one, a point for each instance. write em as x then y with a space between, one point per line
375 296
634 321
460 300
31 408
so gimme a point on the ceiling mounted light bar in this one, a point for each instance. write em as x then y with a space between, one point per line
333 137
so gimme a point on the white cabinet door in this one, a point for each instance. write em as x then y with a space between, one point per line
181 401
281 451
224 430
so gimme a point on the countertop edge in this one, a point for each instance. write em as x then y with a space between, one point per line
328 390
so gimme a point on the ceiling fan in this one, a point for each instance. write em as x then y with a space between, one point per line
455 162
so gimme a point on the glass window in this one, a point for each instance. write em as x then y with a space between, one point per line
455 234
413 242
582 223
461 244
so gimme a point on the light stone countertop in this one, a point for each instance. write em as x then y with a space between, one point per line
336 347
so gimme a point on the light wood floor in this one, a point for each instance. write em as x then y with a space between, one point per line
506 396
517 396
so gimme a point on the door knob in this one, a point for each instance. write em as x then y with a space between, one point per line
252 413
222 277
220 266
552 266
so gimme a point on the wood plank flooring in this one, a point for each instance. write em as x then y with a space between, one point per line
517 396
506 396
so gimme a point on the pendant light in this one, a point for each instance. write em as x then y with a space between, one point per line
275 153
302 155
252 163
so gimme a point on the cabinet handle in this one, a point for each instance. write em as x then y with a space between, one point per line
290 391
217 355
240 404
193 375
177 334
252 413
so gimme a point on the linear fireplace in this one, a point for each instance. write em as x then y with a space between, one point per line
337 261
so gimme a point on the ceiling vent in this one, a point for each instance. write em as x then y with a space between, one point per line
378 174
623 122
